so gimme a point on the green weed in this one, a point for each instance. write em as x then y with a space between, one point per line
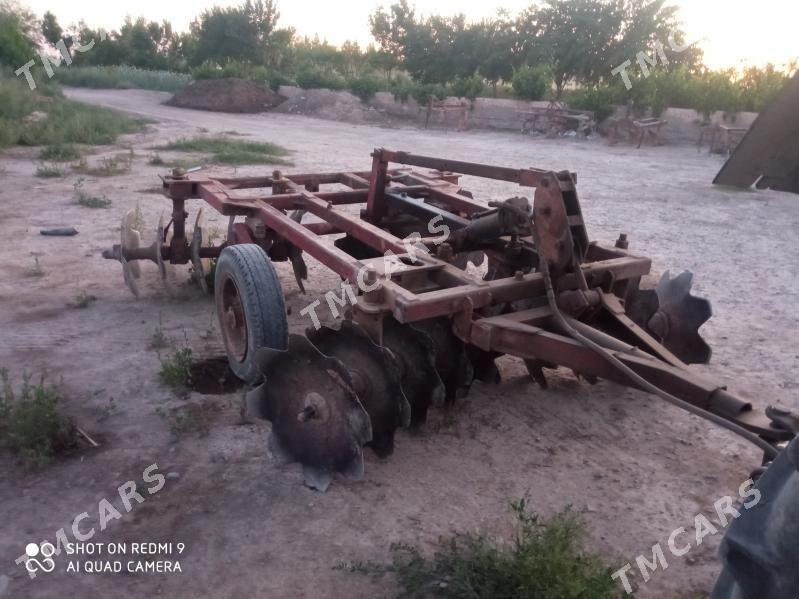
225 150
85 199
82 300
49 171
60 152
545 559
31 424
176 369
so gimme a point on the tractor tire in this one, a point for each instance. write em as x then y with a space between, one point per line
759 551
250 307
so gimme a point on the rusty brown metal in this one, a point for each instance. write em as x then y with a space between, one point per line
547 268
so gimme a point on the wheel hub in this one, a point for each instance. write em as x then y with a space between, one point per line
234 321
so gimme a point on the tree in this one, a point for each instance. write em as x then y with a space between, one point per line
239 33
381 60
532 83
433 50
496 45
575 37
51 30
17 41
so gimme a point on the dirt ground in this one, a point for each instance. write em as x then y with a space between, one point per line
635 467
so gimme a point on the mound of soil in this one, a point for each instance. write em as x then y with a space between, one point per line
226 95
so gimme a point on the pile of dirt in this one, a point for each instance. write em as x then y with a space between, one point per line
226 95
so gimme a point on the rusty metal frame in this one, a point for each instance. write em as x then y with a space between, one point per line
396 185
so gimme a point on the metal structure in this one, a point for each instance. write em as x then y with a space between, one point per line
422 327
768 155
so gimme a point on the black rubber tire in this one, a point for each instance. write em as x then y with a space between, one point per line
262 302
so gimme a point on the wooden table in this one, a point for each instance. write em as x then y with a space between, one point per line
728 137
637 129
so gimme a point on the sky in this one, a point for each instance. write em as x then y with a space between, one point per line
731 32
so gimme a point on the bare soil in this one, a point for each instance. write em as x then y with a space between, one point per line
635 467
226 95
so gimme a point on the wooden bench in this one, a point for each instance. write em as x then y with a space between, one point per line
637 129
723 138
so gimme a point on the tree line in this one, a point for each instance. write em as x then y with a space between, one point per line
570 49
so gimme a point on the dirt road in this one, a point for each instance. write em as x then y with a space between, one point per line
638 469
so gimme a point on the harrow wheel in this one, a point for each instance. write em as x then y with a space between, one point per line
375 377
316 416
250 308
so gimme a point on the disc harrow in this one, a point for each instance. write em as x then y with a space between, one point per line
376 378
317 418
422 324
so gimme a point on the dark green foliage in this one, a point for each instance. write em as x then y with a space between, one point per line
72 122
468 87
416 55
60 122
532 83
228 150
365 87
60 152
546 559
49 171
312 77
31 424
599 100
17 34
176 369
121 77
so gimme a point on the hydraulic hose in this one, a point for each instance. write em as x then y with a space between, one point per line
769 450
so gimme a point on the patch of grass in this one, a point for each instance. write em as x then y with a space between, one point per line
60 152
73 122
49 171
93 202
35 270
545 559
158 160
85 199
31 424
45 118
82 300
159 339
225 150
191 418
110 166
122 77
176 368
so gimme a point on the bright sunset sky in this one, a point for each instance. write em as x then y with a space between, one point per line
730 31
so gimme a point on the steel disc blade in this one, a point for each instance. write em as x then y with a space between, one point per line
376 379
295 255
161 241
316 417
679 317
130 239
415 353
641 305
452 363
484 364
